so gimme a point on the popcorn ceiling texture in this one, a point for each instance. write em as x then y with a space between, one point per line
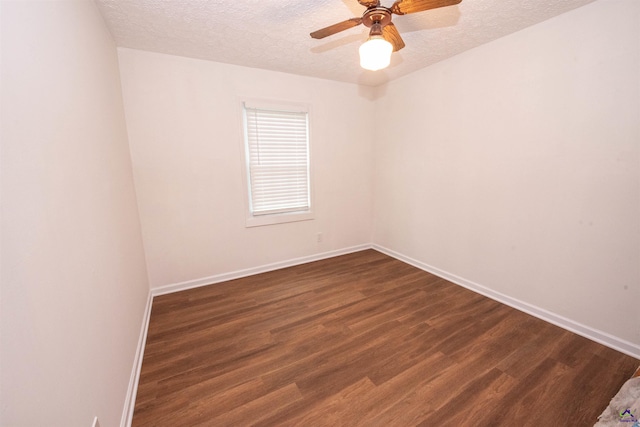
274 34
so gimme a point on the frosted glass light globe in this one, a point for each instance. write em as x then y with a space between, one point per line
375 53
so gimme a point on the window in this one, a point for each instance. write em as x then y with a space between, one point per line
277 163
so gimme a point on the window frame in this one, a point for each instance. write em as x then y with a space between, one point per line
252 220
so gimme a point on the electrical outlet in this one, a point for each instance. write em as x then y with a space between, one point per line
319 237
96 423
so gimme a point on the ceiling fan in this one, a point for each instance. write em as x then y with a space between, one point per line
384 37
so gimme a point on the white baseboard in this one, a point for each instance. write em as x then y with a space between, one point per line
598 336
130 400
190 284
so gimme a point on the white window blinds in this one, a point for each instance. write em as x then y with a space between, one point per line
277 151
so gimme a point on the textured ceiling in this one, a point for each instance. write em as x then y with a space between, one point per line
274 34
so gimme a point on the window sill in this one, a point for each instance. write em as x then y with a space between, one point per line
257 221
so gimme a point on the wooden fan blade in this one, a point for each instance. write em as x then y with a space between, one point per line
336 28
404 7
391 34
369 3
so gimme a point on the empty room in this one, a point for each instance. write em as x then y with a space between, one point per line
319 213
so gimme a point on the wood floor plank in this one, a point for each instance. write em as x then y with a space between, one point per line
364 340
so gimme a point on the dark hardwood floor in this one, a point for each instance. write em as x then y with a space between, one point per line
364 339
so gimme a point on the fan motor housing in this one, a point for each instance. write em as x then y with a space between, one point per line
376 15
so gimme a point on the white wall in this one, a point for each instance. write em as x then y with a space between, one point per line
516 166
74 284
185 130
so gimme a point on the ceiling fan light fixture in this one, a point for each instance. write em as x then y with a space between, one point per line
375 53
384 38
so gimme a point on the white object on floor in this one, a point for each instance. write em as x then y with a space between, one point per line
624 408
